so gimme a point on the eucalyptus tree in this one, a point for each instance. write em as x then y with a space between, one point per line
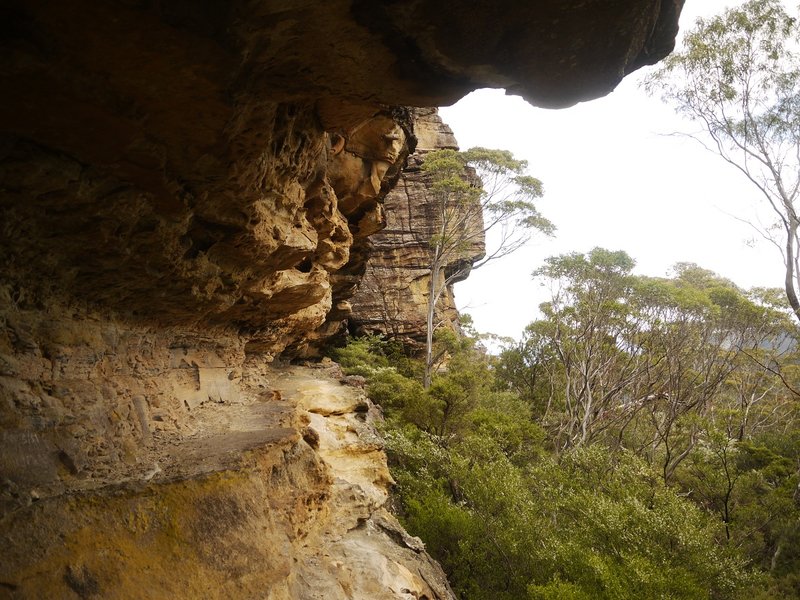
738 76
703 329
588 327
642 362
476 195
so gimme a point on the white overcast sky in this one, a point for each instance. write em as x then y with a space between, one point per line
612 178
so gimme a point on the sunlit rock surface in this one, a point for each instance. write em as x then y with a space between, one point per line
272 486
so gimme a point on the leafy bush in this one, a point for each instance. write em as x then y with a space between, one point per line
509 517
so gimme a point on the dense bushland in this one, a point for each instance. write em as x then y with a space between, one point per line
641 441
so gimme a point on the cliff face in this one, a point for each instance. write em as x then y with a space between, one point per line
214 164
267 257
392 297
185 194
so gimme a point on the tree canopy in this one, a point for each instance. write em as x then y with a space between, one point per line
641 441
738 76
482 199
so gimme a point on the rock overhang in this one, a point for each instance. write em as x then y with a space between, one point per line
183 161
186 191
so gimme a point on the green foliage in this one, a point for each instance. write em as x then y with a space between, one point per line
637 361
610 511
481 199
767 507
506 420
363 356
740 67
370 354
586 524
395 392
642 441
508 518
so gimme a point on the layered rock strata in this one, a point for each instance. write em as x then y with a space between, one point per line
277 491
393 296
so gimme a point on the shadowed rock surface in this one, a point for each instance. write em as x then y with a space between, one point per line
221 163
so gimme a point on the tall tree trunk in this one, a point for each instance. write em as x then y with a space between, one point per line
791 293
431 311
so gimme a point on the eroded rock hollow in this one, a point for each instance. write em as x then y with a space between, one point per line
186 195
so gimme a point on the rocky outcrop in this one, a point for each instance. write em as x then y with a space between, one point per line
275 492
171 162
392 297
421 52
264 260
186 190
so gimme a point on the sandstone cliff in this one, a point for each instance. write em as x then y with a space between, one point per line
185 194
278 494
392 297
